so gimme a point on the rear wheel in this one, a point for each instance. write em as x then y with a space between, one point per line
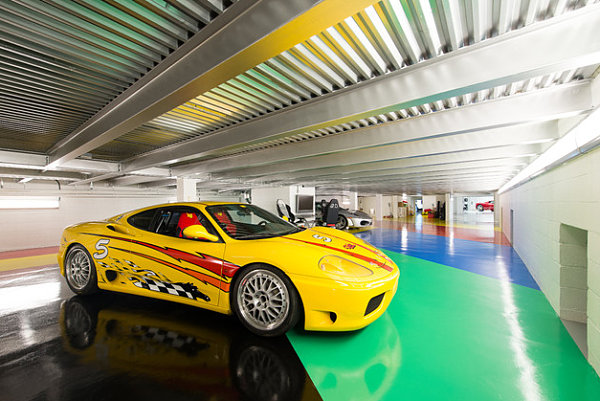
80 271
341 223
265 300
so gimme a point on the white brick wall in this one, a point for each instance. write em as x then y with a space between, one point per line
569 194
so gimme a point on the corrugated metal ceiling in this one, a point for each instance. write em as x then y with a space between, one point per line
529 85
384 38
62 61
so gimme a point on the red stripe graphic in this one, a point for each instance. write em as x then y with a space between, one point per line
352 242
200 276
356 255
215 265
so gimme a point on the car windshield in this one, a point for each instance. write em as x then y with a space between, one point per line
249 222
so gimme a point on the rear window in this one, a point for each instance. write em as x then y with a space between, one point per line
142 220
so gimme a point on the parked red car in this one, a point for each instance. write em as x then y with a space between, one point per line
489 205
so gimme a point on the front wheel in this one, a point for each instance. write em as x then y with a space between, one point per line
480 208
341 223
265 301
80 271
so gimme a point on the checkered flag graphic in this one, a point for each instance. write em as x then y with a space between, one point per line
186 290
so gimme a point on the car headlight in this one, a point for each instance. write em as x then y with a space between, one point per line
345 268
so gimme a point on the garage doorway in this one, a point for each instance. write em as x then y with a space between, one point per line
512 225
574 282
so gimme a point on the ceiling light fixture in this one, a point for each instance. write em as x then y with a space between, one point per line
580 139
38 202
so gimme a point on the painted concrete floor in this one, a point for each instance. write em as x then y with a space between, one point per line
468 323
59 347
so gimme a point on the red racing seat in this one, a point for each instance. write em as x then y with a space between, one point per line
225 222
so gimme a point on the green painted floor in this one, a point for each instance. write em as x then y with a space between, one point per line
450 334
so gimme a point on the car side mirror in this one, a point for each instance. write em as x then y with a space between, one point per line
199 232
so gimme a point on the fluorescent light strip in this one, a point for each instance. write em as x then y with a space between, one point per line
583 137
29 203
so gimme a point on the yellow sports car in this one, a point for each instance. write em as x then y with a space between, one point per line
233 258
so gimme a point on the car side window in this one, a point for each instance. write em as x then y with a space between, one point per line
142 220
166 222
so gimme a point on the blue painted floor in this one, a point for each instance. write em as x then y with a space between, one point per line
491 260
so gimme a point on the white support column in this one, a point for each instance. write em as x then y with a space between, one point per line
496 209
186 189
353 196
449 208
395 206
379 207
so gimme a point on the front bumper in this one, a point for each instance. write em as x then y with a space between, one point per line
331 305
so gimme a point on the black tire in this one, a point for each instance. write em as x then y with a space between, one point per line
341 223
80 271
250 300
480 208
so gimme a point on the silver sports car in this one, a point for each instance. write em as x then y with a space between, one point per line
346 218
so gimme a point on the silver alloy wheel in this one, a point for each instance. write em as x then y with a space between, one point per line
263 299
79 269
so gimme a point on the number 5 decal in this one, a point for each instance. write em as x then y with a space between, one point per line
102 249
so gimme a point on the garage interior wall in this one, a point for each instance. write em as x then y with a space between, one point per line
35 228
266 197
430 201
368 204
567 195
346 199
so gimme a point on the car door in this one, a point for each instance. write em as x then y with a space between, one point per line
171 266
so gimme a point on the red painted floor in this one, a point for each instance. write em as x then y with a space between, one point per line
485 232
28 252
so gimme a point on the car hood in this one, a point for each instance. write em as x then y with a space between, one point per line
342 244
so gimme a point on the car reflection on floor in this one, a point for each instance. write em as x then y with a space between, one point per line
114 346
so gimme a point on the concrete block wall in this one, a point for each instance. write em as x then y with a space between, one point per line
593 299
567 195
